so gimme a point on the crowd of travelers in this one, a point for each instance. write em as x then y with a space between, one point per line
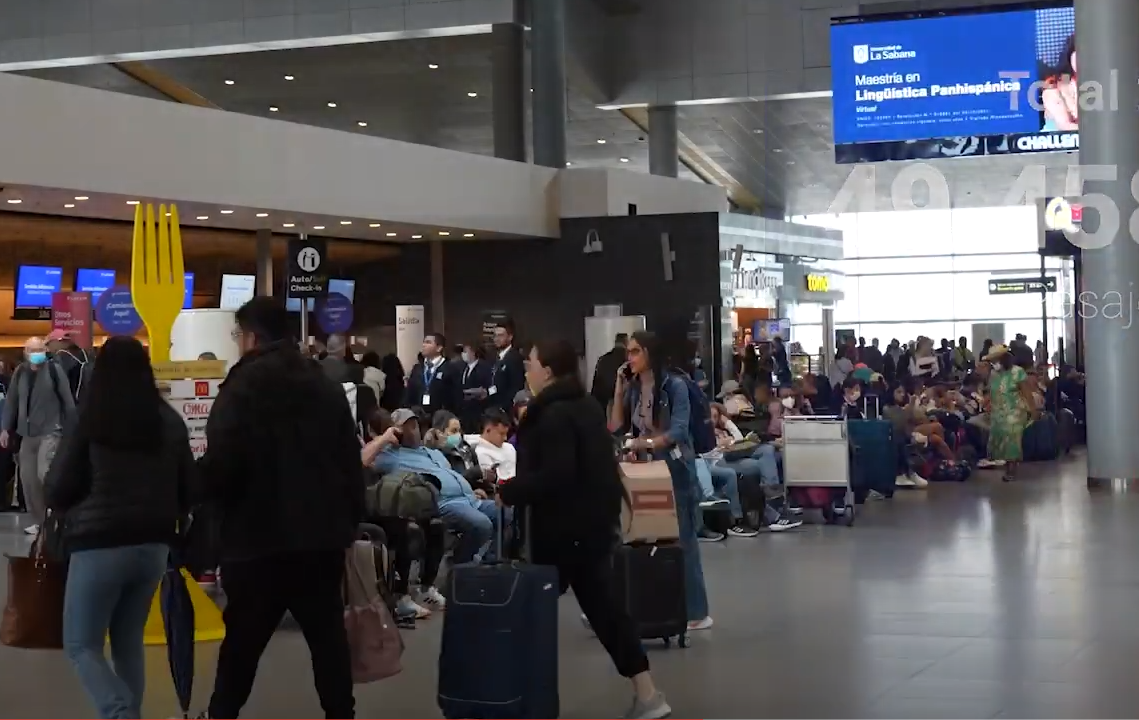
475 436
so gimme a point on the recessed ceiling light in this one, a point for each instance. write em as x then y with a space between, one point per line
203 217
226 212
288 224
443 233
624 159
15 201
229 82
69 205
362 124
568 163
391 234
432 66
132 202
262 214
290 77
601 141
373 224
472 94
416 237
82 197
531 89
317 227
777 150
468 234
331 104
345 222
758 131
274 108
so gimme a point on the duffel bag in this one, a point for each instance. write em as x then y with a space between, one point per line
403 494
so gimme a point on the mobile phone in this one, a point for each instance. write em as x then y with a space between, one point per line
626 371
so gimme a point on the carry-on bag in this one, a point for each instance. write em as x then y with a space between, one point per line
649 582
874 453
373 636
33 614
1040 441
499 654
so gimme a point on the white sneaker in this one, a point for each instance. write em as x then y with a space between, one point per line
405 607
904 481
431 597
918 481
704 624
713 502
986 464
32 530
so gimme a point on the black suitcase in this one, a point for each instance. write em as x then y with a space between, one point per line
649 582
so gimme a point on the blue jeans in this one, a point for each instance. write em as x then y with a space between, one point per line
109 592
727 483
475 524
684 487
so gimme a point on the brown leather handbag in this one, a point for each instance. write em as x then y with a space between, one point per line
33 614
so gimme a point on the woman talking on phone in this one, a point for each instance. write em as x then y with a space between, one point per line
652 404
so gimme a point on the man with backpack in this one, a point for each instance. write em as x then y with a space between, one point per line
38 404
77 362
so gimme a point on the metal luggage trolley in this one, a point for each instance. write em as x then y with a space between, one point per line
816 453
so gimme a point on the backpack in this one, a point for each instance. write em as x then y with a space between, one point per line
85 365
700 425
402 494
951 471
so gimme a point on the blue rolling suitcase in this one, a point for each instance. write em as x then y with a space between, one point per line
499 655
875 456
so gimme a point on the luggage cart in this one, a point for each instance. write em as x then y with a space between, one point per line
816 453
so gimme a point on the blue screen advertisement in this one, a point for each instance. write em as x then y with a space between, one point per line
35 284
347 288
188 300
94 281
984 74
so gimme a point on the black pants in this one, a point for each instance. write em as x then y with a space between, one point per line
259 592
592 583
425 544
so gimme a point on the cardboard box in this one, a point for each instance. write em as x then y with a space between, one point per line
653 513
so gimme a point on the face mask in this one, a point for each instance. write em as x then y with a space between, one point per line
696 362
467 357
453 441
788 402
37 358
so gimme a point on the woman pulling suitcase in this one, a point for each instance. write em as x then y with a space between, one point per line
569 478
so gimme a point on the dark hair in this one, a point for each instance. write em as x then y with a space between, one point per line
442 418
495 416
1064 63
1006 361
506 324
371 359
438 338
380 421
392 367
561 357
654 349
122 407
266 319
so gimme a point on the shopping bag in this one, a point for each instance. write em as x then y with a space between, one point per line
651 513
33 613
373 637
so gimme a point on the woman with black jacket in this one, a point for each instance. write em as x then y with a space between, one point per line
121 481
569 478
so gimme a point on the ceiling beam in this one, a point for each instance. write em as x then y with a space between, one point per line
163 83
699 163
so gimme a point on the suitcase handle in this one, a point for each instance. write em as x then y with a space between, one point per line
499 542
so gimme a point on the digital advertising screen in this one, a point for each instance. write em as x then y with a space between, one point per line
35 284
347 288
977 83
188 300
236 290
94 281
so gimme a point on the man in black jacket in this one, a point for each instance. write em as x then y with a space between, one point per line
605 372
283 467
509 374
432 384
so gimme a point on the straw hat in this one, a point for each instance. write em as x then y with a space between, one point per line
996 352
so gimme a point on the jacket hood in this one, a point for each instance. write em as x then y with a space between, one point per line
562 390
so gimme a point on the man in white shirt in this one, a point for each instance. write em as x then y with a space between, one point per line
492 449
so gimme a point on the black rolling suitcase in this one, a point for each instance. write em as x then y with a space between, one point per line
499 656
649 582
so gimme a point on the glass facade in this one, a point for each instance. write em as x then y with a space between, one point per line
927 272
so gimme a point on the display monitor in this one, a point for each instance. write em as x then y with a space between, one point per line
94 281
345 287
188 299
35 285
945 84
236 290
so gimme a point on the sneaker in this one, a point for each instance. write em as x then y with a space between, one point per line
904 481
742 531
875 495
794 510
704 624
986 464
409 608
654 708
32 530
432 598
785 523
918 481
712 502
707 535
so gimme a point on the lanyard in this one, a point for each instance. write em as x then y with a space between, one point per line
429 370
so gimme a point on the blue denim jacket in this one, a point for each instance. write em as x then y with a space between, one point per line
675 413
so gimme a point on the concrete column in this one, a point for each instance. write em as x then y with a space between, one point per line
828 342
509 91
1109 58
265 262
664 155
548 75
437 313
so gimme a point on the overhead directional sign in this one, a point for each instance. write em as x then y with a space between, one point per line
308 268
1021 286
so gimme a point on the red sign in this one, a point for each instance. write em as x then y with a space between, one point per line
201 388
71 312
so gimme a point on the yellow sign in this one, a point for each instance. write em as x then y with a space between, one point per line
818 283
158 275
190 370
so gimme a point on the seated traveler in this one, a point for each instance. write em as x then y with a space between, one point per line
719 478
851 395
461 508
912 426
759 471
446 436
497 458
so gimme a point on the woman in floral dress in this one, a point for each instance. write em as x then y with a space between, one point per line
1009 411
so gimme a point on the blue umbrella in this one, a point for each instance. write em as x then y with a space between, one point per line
178 619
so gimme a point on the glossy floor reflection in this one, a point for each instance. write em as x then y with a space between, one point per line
972 601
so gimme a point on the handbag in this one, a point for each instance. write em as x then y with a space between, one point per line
33 613
740 450
374 641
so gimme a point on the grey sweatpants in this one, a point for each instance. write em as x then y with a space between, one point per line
36 454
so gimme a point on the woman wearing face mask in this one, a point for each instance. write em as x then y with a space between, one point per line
655 409
446 436
571 483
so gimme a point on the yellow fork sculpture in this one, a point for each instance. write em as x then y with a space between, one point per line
158 285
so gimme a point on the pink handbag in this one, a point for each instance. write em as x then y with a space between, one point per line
373 637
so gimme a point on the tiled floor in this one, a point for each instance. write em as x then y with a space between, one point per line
972 601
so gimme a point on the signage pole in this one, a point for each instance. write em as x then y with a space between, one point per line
304 312
1044 308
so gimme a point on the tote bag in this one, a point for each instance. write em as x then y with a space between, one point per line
373 636
33 613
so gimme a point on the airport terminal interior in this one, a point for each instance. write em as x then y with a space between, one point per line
790 194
